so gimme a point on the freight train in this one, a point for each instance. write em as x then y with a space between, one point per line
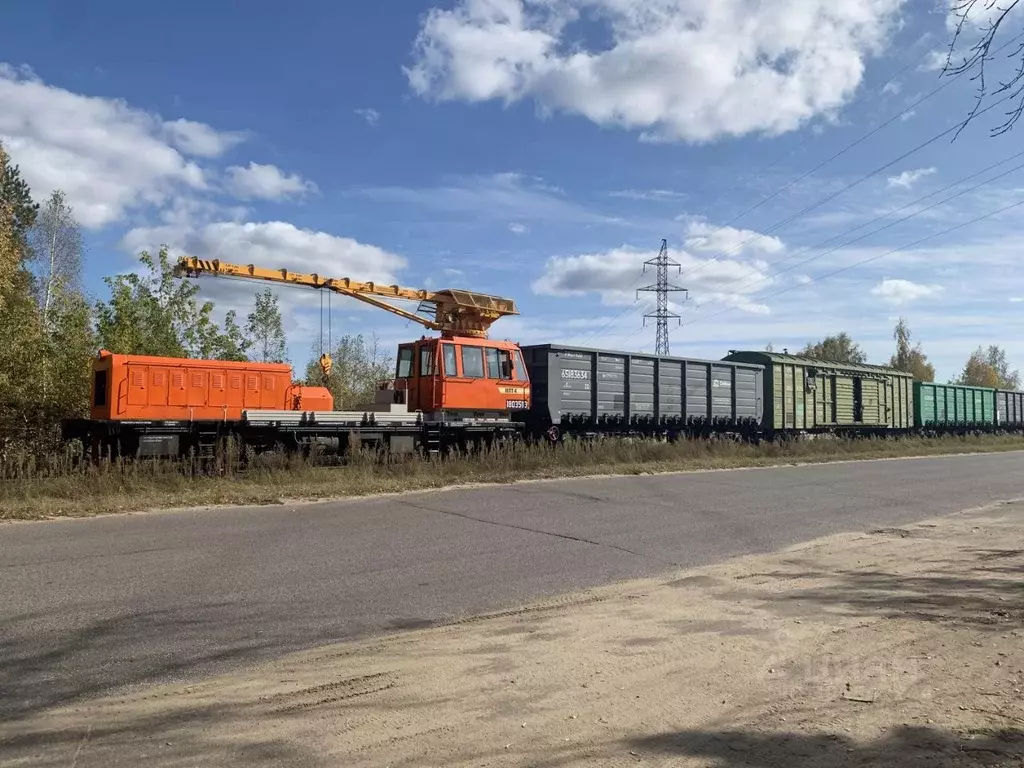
463 391
151 406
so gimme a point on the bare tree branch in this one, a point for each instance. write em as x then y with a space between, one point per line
981 54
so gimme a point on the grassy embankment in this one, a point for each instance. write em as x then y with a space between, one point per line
33 489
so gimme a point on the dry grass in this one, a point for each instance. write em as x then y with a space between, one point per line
55 486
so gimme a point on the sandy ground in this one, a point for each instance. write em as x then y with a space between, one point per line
899 647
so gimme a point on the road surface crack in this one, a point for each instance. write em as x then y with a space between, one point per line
527 529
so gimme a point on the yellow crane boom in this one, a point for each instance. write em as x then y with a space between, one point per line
456 312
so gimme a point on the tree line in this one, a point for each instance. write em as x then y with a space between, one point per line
51 329
986 366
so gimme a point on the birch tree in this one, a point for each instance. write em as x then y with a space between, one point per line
55 242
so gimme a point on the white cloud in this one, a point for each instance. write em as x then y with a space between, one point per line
1016 299
727 241
803 279
199 139
935 61
896 291
518 229
108 157
677 69
907 179
648 195
371 116
615 275
453 272
265 182
893 87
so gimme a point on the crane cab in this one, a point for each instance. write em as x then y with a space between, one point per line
463 377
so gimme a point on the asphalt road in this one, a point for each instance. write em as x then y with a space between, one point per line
91 605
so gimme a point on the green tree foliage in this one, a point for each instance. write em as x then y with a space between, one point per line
232 343
989 368
836 349
156 312
360 365
69 345
910 358
16 197
10 248
265 330
21 411
45 328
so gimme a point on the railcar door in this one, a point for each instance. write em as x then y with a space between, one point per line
515 385
405 375
428 385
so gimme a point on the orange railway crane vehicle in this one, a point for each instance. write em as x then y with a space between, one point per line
460 390
461 383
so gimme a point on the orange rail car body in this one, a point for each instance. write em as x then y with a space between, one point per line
142 388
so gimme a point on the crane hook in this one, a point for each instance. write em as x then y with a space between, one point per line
326 364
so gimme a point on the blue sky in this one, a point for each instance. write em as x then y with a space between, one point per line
537 149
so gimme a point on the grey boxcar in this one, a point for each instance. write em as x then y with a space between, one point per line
1009 408
584 390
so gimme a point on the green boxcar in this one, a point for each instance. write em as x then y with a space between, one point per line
952 405
805 395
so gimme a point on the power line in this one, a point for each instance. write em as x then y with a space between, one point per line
832 196
782 156
862 179
744 280
847 268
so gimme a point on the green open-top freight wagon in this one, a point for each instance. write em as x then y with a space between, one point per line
806 395
953 405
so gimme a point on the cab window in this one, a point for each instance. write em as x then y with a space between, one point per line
450 368
426 361
520 369
505 364
493 367
404 363
473 362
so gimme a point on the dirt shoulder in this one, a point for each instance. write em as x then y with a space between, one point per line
898 647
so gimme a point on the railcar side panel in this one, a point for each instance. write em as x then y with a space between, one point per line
594 390
1009 408
953 405
805 395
